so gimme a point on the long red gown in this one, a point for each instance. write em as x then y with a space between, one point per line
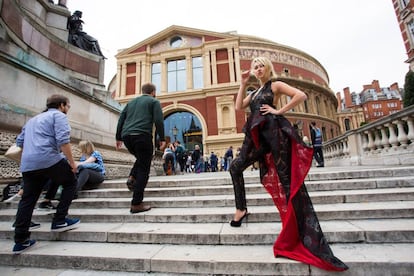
282 172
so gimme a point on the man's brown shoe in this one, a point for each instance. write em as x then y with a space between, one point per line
139 208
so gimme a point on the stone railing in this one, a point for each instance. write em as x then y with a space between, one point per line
387 141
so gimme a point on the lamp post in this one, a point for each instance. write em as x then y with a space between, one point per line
175 132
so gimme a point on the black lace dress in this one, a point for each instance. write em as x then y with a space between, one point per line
284 163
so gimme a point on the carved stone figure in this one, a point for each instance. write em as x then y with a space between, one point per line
79 38
61 3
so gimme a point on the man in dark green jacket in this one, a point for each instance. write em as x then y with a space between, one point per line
134 129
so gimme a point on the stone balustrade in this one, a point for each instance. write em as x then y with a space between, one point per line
387 141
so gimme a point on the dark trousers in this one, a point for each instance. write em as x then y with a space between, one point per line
318 155
142 148
51 190
181 161
248 155
169 161
34 181
89 179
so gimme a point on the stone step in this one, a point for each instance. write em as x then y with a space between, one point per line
116 198
336 231
339 211
366 213
362 259
258 197
179 189
315 174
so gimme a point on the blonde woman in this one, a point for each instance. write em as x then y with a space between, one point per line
91 169
272 140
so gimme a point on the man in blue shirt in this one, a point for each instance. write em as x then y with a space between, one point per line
316 137
47 154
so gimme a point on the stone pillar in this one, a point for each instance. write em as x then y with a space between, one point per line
138 77
164 77
189 68
123 79
231 65
207 69
214 66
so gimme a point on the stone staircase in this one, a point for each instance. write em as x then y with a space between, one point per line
366 213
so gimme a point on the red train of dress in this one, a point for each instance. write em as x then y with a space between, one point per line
282 174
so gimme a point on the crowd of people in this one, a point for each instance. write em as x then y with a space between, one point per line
270 140
177 159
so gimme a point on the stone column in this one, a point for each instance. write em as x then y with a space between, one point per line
214 66
138 77
164 77
231 65
189 68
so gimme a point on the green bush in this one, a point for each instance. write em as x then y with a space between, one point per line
409 89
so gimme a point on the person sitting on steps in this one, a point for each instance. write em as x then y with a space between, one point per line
91 168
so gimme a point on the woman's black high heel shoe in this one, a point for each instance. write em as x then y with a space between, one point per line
238 223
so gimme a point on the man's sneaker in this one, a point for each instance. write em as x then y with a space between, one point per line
46 205
66 225
15 197
20 247
33 225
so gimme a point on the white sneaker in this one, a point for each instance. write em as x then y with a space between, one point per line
15 197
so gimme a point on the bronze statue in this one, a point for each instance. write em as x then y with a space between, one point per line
79 38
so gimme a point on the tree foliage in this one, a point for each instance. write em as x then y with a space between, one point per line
409 89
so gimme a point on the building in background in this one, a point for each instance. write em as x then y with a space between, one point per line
405 16
372 103
197 74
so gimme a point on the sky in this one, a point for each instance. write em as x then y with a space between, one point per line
356 41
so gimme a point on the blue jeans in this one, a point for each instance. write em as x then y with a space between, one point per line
142 148
34 181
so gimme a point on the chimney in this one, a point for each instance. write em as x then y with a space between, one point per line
366 87
394 86
347 96
376 86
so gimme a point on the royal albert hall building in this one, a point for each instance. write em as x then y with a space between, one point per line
197 75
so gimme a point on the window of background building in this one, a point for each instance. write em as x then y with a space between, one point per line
197 73
185 127
288 99
176 42
404 3
156 76
176 75
410 26
347 124
305 103
318 104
